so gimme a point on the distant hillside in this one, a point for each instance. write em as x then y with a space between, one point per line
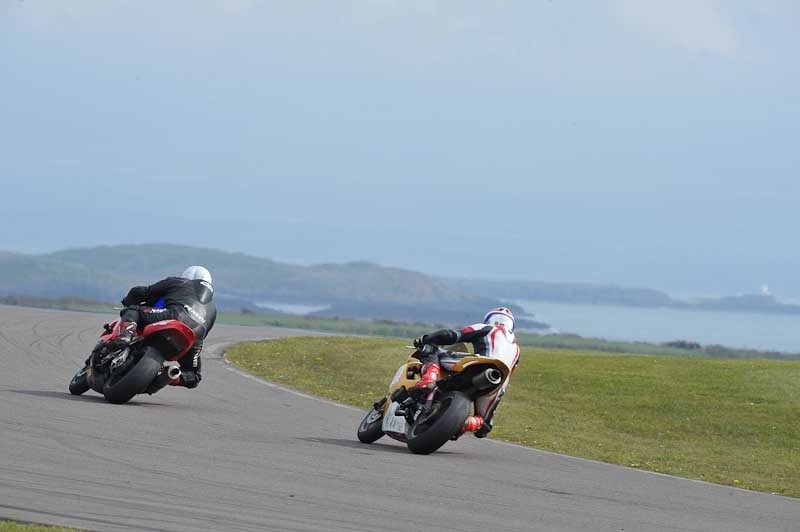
42 276
357 289
587 293
761 303
609 294
352 290
254 278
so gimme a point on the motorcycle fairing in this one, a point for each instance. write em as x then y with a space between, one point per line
108 336
401 378
177 334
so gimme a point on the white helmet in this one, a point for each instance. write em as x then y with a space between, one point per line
500 316
197 272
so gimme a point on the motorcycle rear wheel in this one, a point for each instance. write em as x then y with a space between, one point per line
431 432
371 428
79 383
120 388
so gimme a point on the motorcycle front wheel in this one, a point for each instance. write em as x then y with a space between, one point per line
79 383
445 420
371 429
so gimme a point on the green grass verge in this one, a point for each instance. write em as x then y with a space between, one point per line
335 325
734 422
12 526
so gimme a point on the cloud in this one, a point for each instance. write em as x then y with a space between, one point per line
694 25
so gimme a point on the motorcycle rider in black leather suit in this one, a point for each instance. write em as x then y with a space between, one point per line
188 299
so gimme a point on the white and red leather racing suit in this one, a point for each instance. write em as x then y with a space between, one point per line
487 340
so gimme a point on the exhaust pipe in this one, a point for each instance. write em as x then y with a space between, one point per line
489 378
173 371
170 371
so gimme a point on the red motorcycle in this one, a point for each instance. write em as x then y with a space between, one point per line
146 365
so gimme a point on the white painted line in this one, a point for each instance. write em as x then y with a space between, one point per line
231 367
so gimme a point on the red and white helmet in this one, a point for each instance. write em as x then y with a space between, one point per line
500 316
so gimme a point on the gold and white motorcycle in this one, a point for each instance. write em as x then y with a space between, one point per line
425 420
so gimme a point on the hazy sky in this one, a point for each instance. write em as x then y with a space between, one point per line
650 143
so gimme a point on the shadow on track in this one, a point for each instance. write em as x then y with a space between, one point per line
68 396
365 448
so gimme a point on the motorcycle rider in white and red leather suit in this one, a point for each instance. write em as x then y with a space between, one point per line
493 338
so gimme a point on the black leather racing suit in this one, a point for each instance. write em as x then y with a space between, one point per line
189 301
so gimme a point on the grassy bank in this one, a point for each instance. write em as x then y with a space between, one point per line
734 422
12 526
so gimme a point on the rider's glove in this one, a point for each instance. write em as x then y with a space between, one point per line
428 349
136 295
419 341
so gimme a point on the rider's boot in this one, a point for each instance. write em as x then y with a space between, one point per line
471 424
430 374
484 429
127 332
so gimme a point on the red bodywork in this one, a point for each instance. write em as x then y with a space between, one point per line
176 333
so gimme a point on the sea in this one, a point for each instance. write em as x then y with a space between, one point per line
774 332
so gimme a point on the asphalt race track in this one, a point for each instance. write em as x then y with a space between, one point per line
239 454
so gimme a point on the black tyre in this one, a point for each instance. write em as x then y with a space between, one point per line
123 384
371 429
79 383
444 421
